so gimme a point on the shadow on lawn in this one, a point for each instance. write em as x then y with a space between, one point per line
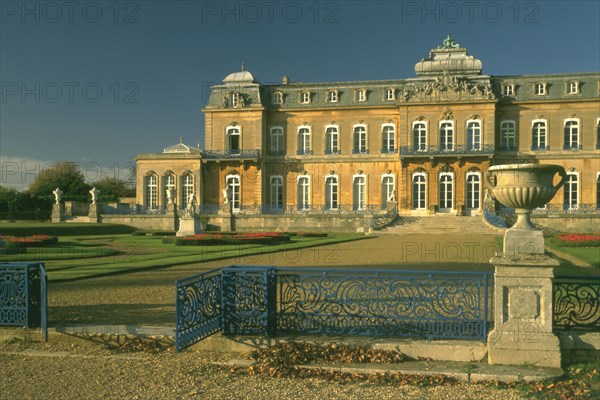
112 314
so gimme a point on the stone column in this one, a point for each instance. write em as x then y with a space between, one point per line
94 213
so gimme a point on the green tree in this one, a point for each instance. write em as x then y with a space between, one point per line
65 175
112 189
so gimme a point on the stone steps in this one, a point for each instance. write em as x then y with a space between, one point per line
439 224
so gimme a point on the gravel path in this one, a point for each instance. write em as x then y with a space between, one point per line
148 297
91 372
58 370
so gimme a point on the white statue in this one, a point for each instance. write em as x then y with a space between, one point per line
57 195
170 195
227 194
191 203
392 196
94 192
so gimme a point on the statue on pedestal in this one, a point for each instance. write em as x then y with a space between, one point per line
191 204
170 195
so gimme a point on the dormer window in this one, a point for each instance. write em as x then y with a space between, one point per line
332 96
573 87
390 94
360 95
304 97
508 89
277 98
539 89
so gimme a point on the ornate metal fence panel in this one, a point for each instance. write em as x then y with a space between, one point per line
576 302
198 308
248 300
23 296
430 305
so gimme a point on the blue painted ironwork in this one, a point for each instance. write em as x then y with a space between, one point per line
442 150
248 300
197 308
576 302
231 154
382 220
23 296
251 300
422 304
494 219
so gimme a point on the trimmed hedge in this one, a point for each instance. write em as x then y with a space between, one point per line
312 234
63 229
228 239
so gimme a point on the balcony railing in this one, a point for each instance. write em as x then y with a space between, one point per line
572 147
360 151
231 154
540 148
276 153
303 152
445 150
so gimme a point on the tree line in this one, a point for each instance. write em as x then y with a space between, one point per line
36 201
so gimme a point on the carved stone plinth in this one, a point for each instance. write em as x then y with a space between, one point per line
188 225
58 212
523 242
94 213
522 331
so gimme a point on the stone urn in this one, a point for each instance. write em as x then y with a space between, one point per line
524 187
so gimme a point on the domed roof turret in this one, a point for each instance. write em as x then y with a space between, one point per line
240 77
448 58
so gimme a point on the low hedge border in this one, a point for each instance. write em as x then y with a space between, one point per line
227 239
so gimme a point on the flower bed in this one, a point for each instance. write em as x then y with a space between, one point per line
30 241
577 240
208 239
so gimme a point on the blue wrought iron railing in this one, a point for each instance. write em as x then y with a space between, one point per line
457 149
272 301
494 219
198 308
231 154
576 302
23 296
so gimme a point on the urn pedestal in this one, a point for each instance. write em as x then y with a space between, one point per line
523 317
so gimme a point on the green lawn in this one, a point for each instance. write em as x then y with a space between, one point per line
589 254
85 256
26 228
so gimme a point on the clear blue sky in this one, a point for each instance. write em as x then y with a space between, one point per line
153 61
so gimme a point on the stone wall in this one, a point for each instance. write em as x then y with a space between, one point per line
569 223
329 223
159 222
578 346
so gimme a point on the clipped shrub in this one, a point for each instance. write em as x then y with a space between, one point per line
312 234
209 239
163 233
138 233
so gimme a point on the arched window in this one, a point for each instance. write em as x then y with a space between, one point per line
571 191
151 191
331 192
474 135
538 134
304 143
388 137
277 193
508 136
446 135
276 148
571 134
388 186
303 192
233 183
473 190
446 191
419 191
359 192
233 139
187 188
332 139
419 136
360 139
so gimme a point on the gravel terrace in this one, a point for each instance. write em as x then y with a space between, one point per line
90 371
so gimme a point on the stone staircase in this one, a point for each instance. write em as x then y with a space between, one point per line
439 224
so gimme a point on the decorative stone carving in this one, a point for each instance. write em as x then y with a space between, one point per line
94 192
57 195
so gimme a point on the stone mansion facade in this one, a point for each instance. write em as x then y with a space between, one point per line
424 142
